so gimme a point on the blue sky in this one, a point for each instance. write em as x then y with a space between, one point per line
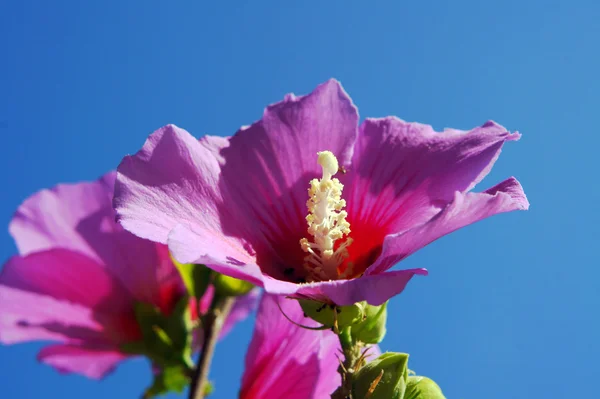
510 309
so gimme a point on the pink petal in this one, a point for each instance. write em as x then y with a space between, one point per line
171 182
83 301
403 173
375 289
463 210
286 361
68 276
91 362
80 217
27 316
69 215
146 269
173 173
267 167
220 253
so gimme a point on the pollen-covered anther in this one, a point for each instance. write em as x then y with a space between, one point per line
326 223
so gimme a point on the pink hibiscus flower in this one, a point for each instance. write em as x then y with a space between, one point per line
239 204
79 277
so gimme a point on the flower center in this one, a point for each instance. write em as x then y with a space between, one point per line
327 224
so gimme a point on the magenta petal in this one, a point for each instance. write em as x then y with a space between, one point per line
286 361
80 217
62 295
145 268
267 168
68 216
463 210
214 251
28 316
68 276
375 289
404 173
268 165
167 193
91 362
172 172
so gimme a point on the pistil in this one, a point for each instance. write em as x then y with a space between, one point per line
327 224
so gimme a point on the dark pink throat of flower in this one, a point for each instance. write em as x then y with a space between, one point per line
335 245
326 242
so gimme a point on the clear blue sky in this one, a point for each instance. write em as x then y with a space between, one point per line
510 309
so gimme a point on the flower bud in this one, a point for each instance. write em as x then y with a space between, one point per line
229 286
372 329
166 339
195 277
418 387
383 378
326 314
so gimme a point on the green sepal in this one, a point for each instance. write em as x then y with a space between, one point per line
392 371
418 387
196 278
372 330
326 314
229 286
169 379
166 340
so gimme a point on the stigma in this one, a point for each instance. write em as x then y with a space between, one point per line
326 224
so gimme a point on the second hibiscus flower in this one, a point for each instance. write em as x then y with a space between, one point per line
376 193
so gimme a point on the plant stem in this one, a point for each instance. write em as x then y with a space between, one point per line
350 365
214 320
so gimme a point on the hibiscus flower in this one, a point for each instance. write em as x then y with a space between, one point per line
239 204
80 276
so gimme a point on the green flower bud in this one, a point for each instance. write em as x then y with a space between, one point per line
195 277
384 377
325 314
418 387
166 339
372 329
229 286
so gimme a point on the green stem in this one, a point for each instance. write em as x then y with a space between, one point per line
214 320
352 355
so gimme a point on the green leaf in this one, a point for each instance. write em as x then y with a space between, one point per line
195 277
418 387
168 380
